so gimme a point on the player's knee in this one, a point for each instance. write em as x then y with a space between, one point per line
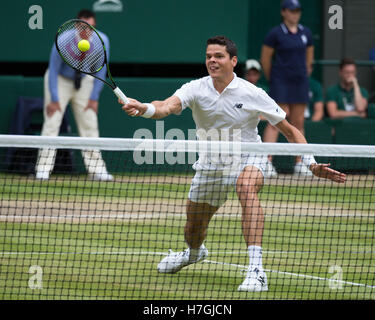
248 188
250 181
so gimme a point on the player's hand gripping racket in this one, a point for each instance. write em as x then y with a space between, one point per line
89 58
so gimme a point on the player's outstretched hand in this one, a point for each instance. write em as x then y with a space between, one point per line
133 107
322 170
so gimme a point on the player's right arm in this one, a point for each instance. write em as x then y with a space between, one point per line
171 105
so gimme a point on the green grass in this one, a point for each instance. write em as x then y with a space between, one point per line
68 190
118 259
356 198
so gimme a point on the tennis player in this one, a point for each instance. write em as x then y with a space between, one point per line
222 101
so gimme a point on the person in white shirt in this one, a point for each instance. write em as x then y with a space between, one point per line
230 107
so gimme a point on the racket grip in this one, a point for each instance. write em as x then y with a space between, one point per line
120 95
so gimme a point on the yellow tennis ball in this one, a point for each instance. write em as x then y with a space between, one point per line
84 45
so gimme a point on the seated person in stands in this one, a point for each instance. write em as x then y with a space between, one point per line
253 72
347 98
315 108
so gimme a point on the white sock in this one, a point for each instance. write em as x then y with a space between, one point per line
255 257
194 253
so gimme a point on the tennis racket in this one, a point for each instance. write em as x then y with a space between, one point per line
91 61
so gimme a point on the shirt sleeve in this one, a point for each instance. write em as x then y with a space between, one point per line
187 94
271 39
98 85
54 66
268 108
309 36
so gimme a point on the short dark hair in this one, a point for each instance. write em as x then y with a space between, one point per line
86 13
230 46
346 61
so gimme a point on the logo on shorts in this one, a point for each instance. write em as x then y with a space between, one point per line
238 105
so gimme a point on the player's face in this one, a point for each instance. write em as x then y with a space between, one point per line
218 61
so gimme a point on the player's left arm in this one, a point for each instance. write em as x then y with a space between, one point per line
322 170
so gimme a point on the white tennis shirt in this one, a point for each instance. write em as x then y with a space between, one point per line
233 114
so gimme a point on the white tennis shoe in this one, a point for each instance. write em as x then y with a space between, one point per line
301 169
255 281
175 261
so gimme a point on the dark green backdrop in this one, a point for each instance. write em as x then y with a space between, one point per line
149 31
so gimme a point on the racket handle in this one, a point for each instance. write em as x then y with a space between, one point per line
122 96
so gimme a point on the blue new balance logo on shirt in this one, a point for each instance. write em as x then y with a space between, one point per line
238 105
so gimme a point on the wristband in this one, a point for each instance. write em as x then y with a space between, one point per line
150 110
308 160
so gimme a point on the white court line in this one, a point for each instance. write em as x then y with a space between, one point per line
304 276
295 274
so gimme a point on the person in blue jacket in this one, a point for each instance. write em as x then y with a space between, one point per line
63 85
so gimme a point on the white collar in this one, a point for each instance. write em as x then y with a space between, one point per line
285 28
232 85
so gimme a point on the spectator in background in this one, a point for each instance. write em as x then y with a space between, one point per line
315 109
62 85
291 45
347 98
253 72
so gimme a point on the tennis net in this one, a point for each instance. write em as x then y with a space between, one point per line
72 237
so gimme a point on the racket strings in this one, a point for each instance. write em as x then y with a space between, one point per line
67 40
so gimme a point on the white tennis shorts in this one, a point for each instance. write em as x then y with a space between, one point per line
211 182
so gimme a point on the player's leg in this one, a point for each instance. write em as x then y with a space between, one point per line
297 119
198 217
248 185
271 135
207 193
87 124
51 124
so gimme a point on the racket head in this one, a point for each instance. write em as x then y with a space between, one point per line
67 38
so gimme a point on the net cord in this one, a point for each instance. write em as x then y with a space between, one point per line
160 145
